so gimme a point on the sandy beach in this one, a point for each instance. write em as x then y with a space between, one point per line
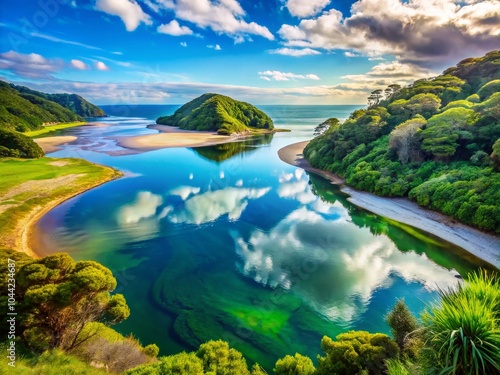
171 136
50 144
482 245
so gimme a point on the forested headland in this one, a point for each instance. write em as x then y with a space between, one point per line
436 141
215 112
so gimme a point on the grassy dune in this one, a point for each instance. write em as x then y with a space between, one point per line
51 128
32 187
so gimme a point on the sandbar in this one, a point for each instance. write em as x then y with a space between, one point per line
171 136
483 245
50 144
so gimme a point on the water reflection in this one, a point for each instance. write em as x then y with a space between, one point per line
211 205
334 265
219 153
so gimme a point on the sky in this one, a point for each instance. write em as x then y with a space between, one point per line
263 52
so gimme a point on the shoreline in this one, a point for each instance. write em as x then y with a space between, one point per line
480 244
51 144
20 238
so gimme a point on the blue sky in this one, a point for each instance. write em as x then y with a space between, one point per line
277 51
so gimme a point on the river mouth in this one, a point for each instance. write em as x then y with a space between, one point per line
229 242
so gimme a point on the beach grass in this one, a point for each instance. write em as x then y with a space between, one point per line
52 128
31 187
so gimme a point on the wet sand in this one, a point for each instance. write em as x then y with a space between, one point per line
50 144
482 245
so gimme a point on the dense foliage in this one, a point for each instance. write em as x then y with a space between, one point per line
17 145
214 112
23 109
435 141
56 297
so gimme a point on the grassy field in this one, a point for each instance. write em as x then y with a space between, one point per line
52 128
30 187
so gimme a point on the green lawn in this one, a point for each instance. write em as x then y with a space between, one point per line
51 128
30 186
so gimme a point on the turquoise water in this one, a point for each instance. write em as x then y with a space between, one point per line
230 242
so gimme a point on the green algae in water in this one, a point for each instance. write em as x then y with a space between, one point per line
248 250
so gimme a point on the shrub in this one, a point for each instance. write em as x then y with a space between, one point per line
403 326
355 352
15 144
462 331
296 365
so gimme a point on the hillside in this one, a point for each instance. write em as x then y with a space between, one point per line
436 141
23 109
73 102
214 112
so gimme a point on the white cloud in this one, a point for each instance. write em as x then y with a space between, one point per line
143 207
129 11
417 31
101 66
306 8
64 41
215 47
211 205
173 28
223 17
184 44
295 52
282 76
185 191
265 78
79 64
30 65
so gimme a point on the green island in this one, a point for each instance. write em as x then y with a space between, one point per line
436 141
215 112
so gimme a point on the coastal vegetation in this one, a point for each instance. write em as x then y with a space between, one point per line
67 308
35 113
43 183
436 141
215 112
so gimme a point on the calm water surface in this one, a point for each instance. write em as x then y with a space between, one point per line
230 242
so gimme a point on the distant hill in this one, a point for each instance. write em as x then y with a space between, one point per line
215 112
23 109
436 141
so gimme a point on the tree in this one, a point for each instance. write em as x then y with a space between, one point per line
403 326
330 124
391 90
406 139
296 365
425 105
355 352
375 98
58 297
495 155
219 359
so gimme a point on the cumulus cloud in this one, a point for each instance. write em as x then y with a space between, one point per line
79 64
101 66
185 191
282 76
173 28
353 262
129 11
223 17
143 207
211 205
419 32
30 65
215 47
295 52
302 9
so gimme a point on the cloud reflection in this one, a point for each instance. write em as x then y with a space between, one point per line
211 205
333 264
143 207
